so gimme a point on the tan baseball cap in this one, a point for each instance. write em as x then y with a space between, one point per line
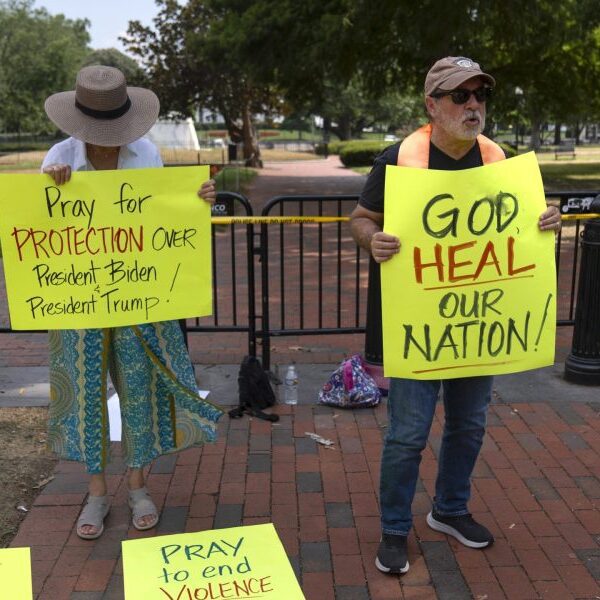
448 73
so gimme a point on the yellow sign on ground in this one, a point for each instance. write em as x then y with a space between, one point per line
15 573
237 563
107 249
473 288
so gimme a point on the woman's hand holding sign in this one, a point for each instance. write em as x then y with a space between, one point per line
60 173
208 191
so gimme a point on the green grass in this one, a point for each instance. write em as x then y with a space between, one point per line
317 136
571 175
265 135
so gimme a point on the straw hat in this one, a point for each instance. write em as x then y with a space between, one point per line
102 110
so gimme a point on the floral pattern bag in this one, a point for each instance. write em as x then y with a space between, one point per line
350 386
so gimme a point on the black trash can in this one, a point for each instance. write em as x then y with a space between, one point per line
583 363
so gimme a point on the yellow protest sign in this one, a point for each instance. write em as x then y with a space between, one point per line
15 573
473 288
236 563
107 249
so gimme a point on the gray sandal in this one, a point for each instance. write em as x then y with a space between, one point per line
93 513
141 505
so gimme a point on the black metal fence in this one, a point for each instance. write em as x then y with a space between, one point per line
234 294
567 258
310 262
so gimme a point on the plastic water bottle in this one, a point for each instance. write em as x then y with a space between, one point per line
290 392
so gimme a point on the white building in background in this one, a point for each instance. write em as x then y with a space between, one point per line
168 133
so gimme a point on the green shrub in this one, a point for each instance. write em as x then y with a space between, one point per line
361 153
509 149
337 146
334 147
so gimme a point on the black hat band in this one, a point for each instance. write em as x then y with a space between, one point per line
104 114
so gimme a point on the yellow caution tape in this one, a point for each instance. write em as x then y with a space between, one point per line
275 220
579 217
298 220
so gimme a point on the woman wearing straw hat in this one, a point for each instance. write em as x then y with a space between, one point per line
149 364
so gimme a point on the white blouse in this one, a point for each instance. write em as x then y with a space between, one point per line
138 155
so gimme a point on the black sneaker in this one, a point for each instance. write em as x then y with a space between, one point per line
391 555
464 528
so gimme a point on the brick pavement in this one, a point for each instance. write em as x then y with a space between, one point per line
536 486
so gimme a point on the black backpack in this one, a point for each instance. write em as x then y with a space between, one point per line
255 391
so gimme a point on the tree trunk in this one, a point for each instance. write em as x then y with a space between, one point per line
357 130
344 128
327 128
543 133
233 128
535 133
557 132
250 139
578 131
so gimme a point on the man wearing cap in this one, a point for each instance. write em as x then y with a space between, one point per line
456 92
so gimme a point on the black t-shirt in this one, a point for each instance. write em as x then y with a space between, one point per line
372 195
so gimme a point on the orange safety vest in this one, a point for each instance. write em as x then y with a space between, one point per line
414 150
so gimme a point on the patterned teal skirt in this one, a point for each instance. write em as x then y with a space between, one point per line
149 365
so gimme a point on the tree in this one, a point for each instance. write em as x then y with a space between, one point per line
350 109
111 57
557 71
39 54
191 62
342 56
549 49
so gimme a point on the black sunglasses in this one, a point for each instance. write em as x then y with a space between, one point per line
461 95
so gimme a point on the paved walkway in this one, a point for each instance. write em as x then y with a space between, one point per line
536 485
326 177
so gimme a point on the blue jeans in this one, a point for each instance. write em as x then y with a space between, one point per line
411 407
